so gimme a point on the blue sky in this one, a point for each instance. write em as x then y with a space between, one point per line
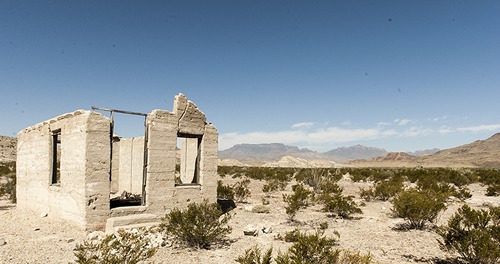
400 75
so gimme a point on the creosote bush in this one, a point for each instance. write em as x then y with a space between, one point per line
254 256
307 248
418 206
200 225
473 234
383 190
126 247
241 190
224 191
310 248
299 199
334 202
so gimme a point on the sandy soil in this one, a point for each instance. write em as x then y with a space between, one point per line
28 238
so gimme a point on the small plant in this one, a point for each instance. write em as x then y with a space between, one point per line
334 202
493 190
299 199
241 190
383 190
323 225
463 194
9 187
224 191
351 257
418 206
343 206
310 248
473 234
127 248
200 225
254 256
290 236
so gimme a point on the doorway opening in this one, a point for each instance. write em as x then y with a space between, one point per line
128 157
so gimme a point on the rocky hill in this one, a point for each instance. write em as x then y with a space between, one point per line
356 152
8 148
251 153
481 153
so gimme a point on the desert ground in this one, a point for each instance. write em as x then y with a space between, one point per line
29 238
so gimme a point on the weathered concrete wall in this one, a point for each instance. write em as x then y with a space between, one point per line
162 194
131 164
82 197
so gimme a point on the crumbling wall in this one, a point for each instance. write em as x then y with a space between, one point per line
82 196
162 191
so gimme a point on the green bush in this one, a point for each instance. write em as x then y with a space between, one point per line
493 190
224 191
463 194
200 225
9 188
255 256
127 248
473 234
241 190
418 206
299 199
334 202
310 248
290 236
343 206
383 190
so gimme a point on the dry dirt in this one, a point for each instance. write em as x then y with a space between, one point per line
29 238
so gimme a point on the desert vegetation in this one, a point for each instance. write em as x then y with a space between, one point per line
312 213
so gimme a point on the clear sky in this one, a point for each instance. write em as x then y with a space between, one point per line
400 75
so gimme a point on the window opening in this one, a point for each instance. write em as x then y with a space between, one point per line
56 158
188 160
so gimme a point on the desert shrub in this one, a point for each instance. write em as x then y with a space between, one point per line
355 257
334 202
367 194
299 199
200 225
310 248
290 236
241 190
463 193
360 174
343 206
493 190
383 190
418 206
9 187
270 186
254 256
127 247
224 191
473 234
323 225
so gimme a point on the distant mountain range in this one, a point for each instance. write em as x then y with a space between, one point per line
264 153
481 153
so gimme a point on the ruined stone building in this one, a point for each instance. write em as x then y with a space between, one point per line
73 167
